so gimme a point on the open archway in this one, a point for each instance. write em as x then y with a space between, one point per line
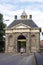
21 43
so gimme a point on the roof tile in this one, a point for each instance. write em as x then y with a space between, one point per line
26 22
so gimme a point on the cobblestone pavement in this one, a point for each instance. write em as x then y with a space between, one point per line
16 59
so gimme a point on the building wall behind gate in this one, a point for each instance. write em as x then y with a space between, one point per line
11 41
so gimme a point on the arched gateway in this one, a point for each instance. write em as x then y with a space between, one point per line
21 43
29 39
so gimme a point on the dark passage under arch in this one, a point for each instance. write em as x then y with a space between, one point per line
21 42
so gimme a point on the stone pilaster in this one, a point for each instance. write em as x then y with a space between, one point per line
6 43
14 43
38 41
28 43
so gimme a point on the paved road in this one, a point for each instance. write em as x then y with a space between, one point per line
39 58
16 59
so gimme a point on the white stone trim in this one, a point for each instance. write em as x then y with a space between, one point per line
21 30
35 31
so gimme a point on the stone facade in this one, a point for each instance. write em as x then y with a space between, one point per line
32 41
27 31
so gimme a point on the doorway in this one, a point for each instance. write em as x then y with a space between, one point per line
21 43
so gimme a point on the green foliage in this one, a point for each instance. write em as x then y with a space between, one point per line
2 32
23 44
1 17
41 49
42 33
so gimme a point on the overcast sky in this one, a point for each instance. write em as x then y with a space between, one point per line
10 8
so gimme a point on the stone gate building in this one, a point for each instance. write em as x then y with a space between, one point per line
23 31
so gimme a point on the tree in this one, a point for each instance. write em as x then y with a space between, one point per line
2 33
42 33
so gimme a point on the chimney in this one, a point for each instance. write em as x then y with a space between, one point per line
15 16
30 17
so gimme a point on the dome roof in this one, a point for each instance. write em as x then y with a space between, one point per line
24 13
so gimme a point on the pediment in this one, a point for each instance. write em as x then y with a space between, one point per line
20 26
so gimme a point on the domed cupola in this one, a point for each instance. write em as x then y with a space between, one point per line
24 15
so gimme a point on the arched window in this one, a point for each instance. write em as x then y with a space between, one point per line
10 40
33 43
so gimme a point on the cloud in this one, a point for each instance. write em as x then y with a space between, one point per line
6 9
37 16
31 0
11 8
18 1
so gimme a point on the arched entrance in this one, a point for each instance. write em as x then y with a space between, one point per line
21 43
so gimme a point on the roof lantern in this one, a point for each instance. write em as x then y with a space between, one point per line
24 15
